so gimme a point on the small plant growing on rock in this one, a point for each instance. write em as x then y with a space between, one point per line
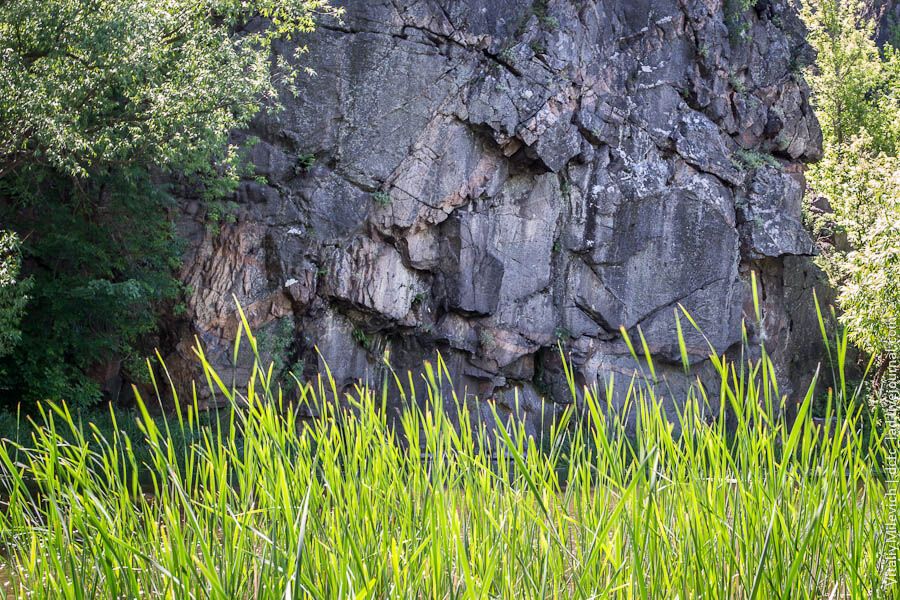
737 83
753 159
219 212
381 198
735 19
278 343
306 161
563 333
487 340
540 10
506 55
362 338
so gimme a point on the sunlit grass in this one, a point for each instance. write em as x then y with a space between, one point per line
352 504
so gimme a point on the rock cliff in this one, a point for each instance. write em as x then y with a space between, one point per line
488 179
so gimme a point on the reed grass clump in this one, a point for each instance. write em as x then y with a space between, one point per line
350 503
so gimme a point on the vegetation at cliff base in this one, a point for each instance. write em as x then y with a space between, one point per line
303 493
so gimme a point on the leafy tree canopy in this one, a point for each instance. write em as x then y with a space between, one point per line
92 83
856 90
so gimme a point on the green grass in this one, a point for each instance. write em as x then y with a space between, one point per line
264 504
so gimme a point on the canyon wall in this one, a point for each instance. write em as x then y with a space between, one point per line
491 179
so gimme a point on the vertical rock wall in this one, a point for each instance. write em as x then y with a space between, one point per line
488 179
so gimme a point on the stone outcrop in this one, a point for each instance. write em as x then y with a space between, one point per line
489 179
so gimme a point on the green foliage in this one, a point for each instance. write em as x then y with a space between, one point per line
870 287
306 161
102 266
541 10
737 83
219 212
381 198
854 84
85 83
753 159
435 501
362 338
855 94
100 102
17 427
736 19
9 259
13 293
277 344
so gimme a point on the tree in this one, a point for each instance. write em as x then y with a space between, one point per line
101 102
88 84
856 92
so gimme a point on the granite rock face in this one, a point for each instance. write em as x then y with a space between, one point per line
487 179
